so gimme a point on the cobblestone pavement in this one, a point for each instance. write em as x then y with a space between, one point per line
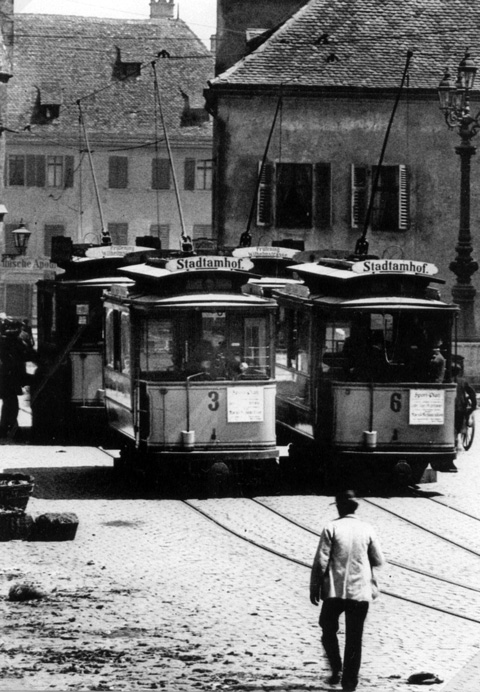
152 595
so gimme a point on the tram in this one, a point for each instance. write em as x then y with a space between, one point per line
363 366
67 389
189 369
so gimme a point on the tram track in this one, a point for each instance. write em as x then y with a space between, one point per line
231 517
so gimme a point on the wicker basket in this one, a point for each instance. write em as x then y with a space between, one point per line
15 489
15 525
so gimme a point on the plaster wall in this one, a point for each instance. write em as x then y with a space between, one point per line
77 208
343 132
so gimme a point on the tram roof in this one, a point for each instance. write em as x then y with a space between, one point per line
212 300
385 302
313 271
189 280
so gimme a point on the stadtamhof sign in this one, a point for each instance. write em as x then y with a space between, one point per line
394 266
209 262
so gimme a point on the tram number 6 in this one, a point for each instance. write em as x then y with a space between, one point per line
396 402
215 401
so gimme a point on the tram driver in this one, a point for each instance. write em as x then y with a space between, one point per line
213 358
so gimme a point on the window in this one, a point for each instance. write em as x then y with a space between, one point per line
208 345
204 174
294 195
390 209
118 172
117 340
16 170
55 171
36 170
125 67
198 174
118 233
160 174
293 355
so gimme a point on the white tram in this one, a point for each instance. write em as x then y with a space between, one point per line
363 366
189 368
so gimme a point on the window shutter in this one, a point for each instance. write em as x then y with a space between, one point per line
50 231
160 174
162 232
190 166
403 199
118 172
9 241
359 195
69 162
35 170
40 170
264 196
118 233
323 195
31 170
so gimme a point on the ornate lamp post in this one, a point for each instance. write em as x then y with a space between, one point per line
454 102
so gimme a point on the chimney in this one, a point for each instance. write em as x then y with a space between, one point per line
161 9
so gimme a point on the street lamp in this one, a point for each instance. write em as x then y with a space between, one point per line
455 104
21 236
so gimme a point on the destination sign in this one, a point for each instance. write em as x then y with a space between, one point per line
209 262
265 251
114 250
394 266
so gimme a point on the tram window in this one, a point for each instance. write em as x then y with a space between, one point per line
257 352
156 352
117 341
292 356
125 343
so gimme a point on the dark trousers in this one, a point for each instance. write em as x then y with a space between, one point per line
8 419
355 614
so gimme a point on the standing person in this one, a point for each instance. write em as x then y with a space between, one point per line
14 353
342 577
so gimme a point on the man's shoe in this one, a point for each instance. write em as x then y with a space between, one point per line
349 688
335 678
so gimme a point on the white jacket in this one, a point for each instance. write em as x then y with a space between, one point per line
347 552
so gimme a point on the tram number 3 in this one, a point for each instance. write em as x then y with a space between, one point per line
396 402
215 401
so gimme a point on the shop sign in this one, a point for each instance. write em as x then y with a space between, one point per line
29 264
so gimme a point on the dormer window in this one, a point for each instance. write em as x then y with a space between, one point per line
49 101
193 113
125 67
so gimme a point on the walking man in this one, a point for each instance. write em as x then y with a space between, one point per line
342 577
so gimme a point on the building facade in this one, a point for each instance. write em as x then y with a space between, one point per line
314 102
106 134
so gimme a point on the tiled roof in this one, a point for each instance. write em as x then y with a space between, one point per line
363 44
76 55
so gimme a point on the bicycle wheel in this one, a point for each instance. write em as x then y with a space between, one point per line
468 433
